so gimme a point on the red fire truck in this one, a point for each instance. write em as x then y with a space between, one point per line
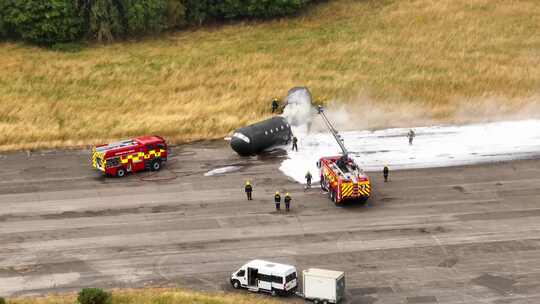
340 175
343 179
132 155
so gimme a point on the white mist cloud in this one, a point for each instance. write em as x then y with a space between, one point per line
299 110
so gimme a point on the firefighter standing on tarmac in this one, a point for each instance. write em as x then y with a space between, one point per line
287 201
248 188
308 180
385 173
277 200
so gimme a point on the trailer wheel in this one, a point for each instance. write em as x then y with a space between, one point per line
316 301
155 165
121 172
236 284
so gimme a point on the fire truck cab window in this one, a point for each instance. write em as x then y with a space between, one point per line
150 147
160 146
342 164
113 162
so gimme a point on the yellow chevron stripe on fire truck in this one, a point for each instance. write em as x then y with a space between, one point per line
95 157
139 156
362 189
346 189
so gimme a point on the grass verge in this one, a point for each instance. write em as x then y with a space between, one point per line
156 296
201 84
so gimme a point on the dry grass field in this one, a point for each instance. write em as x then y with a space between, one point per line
435 58
156 296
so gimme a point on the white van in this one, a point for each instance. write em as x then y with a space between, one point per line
259 275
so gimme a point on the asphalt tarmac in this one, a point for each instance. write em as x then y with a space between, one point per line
447 235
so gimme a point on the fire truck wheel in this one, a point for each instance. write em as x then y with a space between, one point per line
156 165
121 172
333 196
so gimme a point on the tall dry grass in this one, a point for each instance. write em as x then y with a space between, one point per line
199 84
156 296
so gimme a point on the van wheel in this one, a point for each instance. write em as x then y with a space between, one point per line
156 165
121 172
236 284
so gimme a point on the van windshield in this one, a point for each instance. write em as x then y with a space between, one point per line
290 277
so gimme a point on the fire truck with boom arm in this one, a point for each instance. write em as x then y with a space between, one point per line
132 155
340 175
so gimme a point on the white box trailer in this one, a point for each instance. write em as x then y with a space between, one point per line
259 275
323 286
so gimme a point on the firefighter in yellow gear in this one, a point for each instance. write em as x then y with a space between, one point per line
287 201
249 189
277 200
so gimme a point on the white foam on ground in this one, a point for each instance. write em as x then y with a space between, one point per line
436 146
222 170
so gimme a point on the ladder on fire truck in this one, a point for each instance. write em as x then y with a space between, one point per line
334 132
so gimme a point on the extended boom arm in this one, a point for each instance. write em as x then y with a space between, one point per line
333 131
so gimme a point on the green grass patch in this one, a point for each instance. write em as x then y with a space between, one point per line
203 83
